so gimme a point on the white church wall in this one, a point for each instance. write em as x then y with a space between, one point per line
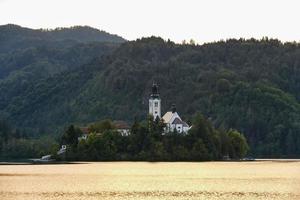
155 107
186 129
179 128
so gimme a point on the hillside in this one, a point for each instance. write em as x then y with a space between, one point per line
13 37
51 50
249 85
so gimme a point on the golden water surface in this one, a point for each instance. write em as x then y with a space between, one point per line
143 180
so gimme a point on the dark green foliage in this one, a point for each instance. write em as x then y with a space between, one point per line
223 85
199 151
70 137
5 130
249 85
101 147
238 144
14 144
16 37
101 126
147 141
32 68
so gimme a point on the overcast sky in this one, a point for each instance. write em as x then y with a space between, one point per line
202 20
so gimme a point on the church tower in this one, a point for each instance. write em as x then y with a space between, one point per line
154 102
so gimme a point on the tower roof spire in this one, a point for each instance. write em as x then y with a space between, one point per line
154 90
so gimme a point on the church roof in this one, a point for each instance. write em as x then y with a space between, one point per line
121 125
179 121
84 130
167 117
185 124
175 119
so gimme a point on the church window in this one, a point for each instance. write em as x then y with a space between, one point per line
156 104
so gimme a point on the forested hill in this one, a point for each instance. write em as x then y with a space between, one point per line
41 53
249 85
14 37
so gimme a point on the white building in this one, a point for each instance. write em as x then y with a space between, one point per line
171 119
174 122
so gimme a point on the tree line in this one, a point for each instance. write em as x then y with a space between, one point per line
148 142
16 144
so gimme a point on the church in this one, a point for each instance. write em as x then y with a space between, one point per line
171 119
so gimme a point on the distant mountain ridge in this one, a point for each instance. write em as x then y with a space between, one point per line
14 37
54 50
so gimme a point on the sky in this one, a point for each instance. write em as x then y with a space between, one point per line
177 20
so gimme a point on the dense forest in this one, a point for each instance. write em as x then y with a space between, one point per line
149 142
19 144
248 85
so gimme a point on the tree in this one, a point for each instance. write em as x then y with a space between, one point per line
179 153
290 144
102 126
239 146
5 129
223 85
157 152
203 129
70 137
192 42
199 151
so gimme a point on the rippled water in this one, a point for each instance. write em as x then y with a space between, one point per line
142 180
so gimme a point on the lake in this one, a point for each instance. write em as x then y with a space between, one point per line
255 180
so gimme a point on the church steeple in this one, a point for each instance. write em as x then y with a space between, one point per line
155 102
155 93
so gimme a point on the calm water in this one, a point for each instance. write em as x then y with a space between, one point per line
142 180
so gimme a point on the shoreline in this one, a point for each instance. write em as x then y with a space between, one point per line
22 162
40 163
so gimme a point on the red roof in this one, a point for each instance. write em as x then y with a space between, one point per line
121 125
85 130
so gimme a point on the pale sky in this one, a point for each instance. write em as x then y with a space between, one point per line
202 20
